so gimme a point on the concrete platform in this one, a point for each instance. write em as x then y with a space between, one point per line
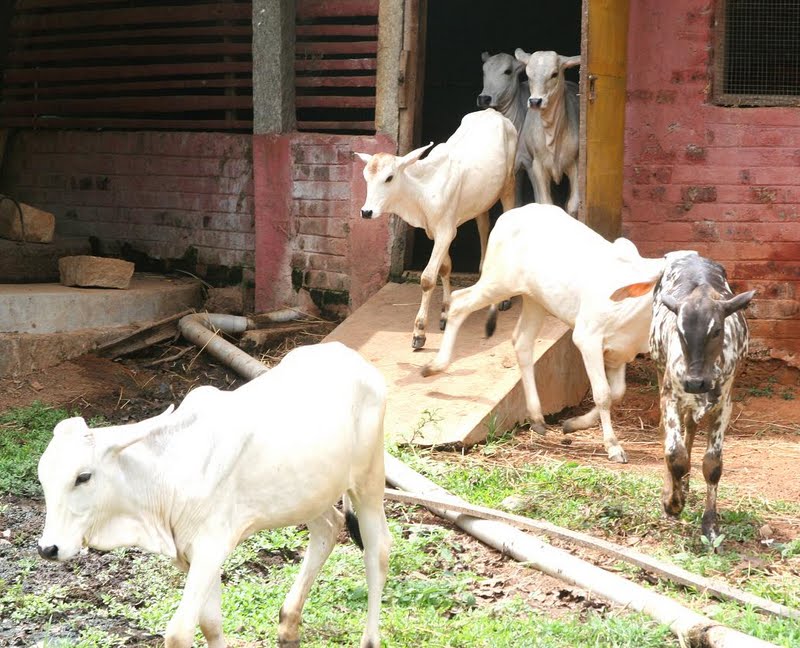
480 391
44 324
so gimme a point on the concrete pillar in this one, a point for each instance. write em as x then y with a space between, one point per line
273 66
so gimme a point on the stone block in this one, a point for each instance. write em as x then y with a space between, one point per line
92 271
31 225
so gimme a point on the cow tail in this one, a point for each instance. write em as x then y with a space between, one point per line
351 521
491 321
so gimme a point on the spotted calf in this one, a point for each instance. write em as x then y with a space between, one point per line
698 337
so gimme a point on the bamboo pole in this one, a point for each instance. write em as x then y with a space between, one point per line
692 629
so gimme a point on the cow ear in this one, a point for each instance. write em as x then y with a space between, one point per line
522 56
364 157
116 439
670 302
569 61
484 57
738 302
632 290
413 156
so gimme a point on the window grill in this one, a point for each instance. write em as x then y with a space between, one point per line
757 52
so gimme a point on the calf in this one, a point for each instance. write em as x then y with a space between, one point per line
560 266
193 483
697 340
548 146
460 180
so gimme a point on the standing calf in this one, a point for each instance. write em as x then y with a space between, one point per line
697 340
562 267
193 483
460 180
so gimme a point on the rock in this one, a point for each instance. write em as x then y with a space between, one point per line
95 272
766 532
36 225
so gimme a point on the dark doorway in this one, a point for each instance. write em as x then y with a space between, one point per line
457 33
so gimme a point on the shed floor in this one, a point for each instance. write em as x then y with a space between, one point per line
480 392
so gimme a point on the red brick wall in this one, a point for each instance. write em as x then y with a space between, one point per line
723 181
167 195
310 236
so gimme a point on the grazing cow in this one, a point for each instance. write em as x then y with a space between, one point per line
460 180
193 483
698 338
560 266
548 145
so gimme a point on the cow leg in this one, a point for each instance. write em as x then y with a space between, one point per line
508 201
689 431
211 617
444 273
322 533
483 234
574 198
591 349
676 457
377 542
202 581
441 244
528 326
541 183
712 469
464 302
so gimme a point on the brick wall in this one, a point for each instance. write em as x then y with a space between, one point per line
162 199
310 236
724 181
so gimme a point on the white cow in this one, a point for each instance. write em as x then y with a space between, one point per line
548 144
560 266
460 180
193 483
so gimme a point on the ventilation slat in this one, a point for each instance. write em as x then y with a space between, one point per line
335 64
178 103
367 81
318 48
121 51
329 101
101 89
132 35
112 123
357 31
315 9
337 126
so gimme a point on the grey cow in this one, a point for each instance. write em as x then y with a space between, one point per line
548 146
698 336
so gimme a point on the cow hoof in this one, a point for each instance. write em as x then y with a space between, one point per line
539 427
617 454
442 323
569 426
504 305
429 370
417 342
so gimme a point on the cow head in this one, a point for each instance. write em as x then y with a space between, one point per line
75 473
502 75
545 72
384 176
701 330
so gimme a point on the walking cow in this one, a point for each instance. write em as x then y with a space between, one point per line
698 337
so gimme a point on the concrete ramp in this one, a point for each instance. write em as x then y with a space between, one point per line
480 392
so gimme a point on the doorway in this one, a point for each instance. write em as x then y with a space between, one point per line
457 33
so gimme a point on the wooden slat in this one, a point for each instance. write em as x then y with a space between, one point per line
128 35
103 89
329 101
336 64
126 51
359 31
126 72
29 5
111 123
366 81
127 104
338 47
367 126
311 9
145 15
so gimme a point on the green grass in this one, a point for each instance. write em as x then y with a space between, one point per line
24 434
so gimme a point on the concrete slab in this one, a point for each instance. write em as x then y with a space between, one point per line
480 391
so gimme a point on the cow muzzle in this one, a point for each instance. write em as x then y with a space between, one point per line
535 102
484 101
49 552
696 385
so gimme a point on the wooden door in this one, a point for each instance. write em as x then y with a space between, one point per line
603 77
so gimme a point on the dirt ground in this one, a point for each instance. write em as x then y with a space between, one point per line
762 450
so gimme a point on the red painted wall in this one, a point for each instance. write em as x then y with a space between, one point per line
164 193
310 238
723 181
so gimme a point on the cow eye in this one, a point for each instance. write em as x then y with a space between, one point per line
83 478
554 75
715 334
507 72
390 178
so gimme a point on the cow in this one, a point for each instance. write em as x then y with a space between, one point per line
562 267
457 181
193 483
698 339
548 146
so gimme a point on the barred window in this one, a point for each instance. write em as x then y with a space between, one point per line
757 53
